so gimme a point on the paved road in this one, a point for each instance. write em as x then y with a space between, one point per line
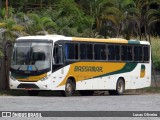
149 102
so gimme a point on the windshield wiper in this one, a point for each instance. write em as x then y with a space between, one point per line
36 68
27 69
19 67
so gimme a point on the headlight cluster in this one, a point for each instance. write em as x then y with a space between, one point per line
45 78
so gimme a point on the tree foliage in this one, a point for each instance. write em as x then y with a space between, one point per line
88 18
108 18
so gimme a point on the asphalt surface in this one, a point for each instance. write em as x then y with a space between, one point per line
130 102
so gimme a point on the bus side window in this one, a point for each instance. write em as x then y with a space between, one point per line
146 53
130 53
76 53
124 53
100 52
111 52
137 53
89 51
83 51
117 52
86 51
71 51
127 53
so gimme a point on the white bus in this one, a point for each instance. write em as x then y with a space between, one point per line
68 64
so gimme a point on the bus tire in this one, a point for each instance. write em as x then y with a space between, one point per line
33 92
69 88
86 92
120 88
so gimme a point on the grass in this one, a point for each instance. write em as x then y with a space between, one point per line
148 90
152 89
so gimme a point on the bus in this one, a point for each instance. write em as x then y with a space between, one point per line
69 64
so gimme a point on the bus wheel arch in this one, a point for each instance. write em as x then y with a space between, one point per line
120 87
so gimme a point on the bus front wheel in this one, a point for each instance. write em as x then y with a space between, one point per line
69 88
120 87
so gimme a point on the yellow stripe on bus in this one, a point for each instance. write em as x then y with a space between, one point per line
86 70
110 40
33 78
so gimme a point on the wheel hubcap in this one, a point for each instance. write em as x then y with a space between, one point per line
120 87
69 88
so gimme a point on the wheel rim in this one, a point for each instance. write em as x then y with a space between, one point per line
120 87
69 88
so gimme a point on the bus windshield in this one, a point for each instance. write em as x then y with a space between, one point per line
32 56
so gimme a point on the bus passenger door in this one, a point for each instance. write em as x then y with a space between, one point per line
57 59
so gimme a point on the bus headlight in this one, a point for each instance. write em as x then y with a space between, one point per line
45 78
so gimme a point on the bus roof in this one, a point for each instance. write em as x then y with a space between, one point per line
55 38
42 37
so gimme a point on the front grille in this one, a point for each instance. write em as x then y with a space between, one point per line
23 85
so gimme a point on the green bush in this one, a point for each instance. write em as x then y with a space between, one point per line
155 44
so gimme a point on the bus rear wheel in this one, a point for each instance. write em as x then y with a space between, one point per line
120 88
69 88
33 92
86 92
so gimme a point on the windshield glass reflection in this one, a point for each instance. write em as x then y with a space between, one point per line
37 55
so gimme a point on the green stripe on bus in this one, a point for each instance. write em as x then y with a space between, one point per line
127 68
133 42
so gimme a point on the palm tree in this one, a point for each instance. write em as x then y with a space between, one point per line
129 18
6 8
9 28
153 16
146 18
35 24
9 31
104 12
